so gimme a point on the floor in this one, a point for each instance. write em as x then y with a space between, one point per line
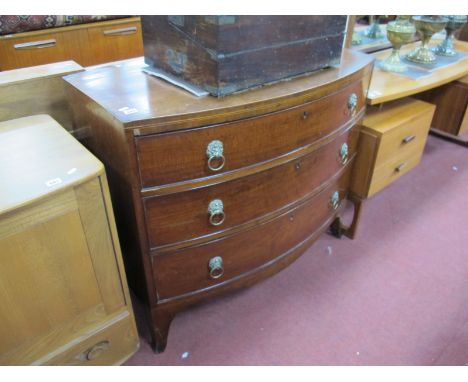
396 295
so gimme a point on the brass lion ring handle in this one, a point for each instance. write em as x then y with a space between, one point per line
215 154
335 200
344 153
216 267
352 103
216 212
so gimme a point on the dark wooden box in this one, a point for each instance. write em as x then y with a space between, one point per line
225 54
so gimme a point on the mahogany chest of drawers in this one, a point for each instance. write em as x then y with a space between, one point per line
213 194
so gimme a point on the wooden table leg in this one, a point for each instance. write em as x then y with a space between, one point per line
448 137
160 322
338 229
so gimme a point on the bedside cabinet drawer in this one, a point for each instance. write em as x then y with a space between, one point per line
394 169
404 138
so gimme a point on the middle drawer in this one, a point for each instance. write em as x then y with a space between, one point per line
204 213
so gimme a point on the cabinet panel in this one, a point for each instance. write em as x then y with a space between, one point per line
46 279
61 273
114 42
32 50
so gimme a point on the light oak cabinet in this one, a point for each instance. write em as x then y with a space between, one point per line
64 298
392 142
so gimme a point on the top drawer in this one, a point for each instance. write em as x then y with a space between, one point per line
197 153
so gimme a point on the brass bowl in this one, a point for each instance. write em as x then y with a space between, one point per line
445 48
426 26
399 32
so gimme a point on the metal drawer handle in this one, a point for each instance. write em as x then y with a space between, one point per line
95 351
121 31
400 167
36 44
352 103
216 212
216 267
344 152
408 139
335 200
215 153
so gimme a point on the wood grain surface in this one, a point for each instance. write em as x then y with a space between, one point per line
37 90
152 138
62 284
387 86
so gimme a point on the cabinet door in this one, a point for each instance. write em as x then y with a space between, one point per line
59 279
114 42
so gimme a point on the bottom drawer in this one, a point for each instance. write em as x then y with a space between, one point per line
112 345
393 169
208 265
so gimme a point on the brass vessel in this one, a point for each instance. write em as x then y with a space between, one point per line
445 48
426 26
399 32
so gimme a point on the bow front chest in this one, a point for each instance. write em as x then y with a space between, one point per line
213 194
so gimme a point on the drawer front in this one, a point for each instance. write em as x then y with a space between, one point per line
192 154
395 168
114 42
110 346
404 138
184 216
205 266
21 52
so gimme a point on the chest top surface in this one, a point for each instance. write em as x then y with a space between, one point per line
137 99
38 157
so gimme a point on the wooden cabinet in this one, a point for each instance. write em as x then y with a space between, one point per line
86 44
37 90
63 291
451 100
391 143
219 55
213 194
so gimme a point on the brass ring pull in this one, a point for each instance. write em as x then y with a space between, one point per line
409 138
216 267
335 200
216 212
344 152
215 153
352 103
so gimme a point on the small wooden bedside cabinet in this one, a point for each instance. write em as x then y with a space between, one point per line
63 292
392 142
